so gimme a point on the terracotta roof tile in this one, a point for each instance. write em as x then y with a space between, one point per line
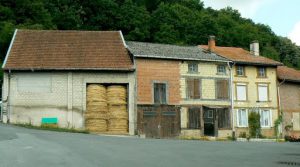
286 73
56 49
240 55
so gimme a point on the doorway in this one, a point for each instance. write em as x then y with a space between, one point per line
209 122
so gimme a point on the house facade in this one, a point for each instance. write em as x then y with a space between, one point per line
254 86
47 75
191 79
289 97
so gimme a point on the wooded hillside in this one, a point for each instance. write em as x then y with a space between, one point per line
183 22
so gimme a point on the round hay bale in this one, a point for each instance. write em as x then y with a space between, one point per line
96 125
116 95
117 112
118 125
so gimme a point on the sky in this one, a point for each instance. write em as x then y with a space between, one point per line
283 16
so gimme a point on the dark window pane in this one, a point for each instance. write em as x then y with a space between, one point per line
160 93
194 118
222 89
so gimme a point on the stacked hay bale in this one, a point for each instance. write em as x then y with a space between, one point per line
118 115
96 114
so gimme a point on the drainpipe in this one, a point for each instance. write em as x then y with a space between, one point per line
8 97
279 104
231 98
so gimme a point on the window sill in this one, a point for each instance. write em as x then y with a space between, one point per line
189 72
262 77
244 101
242 126
242 76
263 101
221 74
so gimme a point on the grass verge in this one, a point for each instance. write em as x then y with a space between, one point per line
51 128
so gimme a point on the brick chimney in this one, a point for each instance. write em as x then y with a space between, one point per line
211 43
254 48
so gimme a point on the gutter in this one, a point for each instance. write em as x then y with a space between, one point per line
157 57
231 96
57 69
279 102
10 46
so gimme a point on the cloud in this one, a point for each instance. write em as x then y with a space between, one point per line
247 8
294 35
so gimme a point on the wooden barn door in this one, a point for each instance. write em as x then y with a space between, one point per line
159 121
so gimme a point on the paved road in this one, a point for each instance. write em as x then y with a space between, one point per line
30 148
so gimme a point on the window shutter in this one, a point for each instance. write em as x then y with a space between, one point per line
262 92
241 93
190 88
296 121
196 89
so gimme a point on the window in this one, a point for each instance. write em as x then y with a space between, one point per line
209 114
160 93
296 120
263 92
241 92
265 118
193 67
224 119
261 72
240 70
242 118
221 69
222 89
193 88
194 118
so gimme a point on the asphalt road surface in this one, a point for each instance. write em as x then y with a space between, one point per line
36 148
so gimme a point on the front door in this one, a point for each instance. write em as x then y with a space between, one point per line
209 122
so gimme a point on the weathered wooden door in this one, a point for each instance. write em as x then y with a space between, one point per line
159 121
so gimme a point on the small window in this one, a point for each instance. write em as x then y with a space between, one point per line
208 114
240 70
194 118
242 118
261 72
222 89
160 93
193 88
265 118
241 92
221 69
263 92
193 67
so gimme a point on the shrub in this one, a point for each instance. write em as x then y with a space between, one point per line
243 135
254 124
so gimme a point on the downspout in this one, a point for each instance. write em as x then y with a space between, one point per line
279 104
8 97
231 98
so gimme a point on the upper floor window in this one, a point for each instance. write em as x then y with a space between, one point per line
241 92
222 89
193 88
240 70
160 93
263 94
221 69
261 72
193 67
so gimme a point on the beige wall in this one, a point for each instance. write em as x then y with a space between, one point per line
64 97
252 81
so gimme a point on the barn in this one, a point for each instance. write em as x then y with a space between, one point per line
77 79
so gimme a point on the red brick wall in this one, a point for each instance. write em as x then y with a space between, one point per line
290 102
150 70
290 97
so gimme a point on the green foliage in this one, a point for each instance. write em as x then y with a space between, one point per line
183 22
254 124
277 123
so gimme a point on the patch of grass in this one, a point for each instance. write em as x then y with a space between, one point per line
51 127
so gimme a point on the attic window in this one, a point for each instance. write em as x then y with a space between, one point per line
193 67
221 69
261 72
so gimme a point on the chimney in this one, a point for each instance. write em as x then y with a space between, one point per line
211 43
254 48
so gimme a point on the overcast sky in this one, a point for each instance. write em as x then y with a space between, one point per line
283 16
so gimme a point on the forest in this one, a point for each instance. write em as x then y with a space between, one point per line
181 22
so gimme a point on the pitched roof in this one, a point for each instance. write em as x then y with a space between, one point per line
59 49
242 56
166 51
289 74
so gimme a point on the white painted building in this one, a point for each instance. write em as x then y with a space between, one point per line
46 74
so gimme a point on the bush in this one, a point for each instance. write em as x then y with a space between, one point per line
292 138
243 135
254 124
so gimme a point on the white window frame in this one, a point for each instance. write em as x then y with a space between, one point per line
193 67
259 92
238 118
223 71
246 92
270 118
260 72
240 69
